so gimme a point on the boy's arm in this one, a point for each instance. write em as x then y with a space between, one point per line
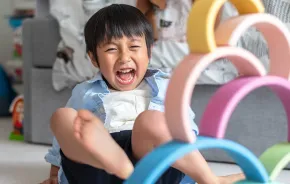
53 157
53 171
53 176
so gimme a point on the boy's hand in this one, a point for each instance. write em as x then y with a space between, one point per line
51 180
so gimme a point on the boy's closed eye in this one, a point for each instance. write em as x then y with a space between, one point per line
110 49
135 47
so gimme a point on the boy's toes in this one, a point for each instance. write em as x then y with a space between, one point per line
123 169
77 127
126 170
77 124
86 115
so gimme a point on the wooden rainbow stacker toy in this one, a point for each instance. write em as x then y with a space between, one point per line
206 46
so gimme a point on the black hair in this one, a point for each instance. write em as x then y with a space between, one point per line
116 21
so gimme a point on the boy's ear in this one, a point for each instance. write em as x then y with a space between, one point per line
93 60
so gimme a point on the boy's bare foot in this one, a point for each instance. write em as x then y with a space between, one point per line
91 133
230 179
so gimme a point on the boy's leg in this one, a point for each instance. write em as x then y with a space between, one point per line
150 130
83 138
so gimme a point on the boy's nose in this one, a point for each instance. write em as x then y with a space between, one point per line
125 58
124 61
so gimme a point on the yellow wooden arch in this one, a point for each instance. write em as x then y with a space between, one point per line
202 17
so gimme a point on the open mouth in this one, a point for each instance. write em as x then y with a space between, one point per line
125 76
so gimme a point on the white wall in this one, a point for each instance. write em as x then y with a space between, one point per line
5 31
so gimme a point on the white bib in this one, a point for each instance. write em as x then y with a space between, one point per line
123 107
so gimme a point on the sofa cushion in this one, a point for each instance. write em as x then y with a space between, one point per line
41 100
41 38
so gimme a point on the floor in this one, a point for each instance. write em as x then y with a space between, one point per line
22 163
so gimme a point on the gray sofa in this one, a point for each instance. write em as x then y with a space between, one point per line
257 123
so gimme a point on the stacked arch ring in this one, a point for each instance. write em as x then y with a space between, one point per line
154 164
276 158
274 31
202 17
214 121
184 79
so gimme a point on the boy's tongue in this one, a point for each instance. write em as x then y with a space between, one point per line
125 76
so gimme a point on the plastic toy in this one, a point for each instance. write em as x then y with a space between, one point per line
7 93
16 25
206 46
17 110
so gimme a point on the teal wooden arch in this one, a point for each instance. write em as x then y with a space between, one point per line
154 164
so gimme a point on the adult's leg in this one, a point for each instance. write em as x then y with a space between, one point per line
150 130
83 138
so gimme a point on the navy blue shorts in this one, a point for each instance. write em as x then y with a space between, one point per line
77 173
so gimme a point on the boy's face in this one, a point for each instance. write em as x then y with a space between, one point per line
123 62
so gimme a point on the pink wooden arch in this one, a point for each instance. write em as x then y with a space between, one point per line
184 78
274 31
222 104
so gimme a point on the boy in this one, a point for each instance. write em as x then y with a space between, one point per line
113 120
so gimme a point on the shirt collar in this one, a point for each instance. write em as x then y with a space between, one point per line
97 77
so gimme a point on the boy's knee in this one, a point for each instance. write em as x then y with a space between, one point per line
61 114
150 116
152 122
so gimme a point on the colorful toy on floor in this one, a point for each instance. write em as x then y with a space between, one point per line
14 65
17 110
207 46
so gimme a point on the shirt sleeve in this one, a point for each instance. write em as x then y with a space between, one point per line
194 127
53 156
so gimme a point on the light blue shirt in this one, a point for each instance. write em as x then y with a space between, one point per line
89 95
